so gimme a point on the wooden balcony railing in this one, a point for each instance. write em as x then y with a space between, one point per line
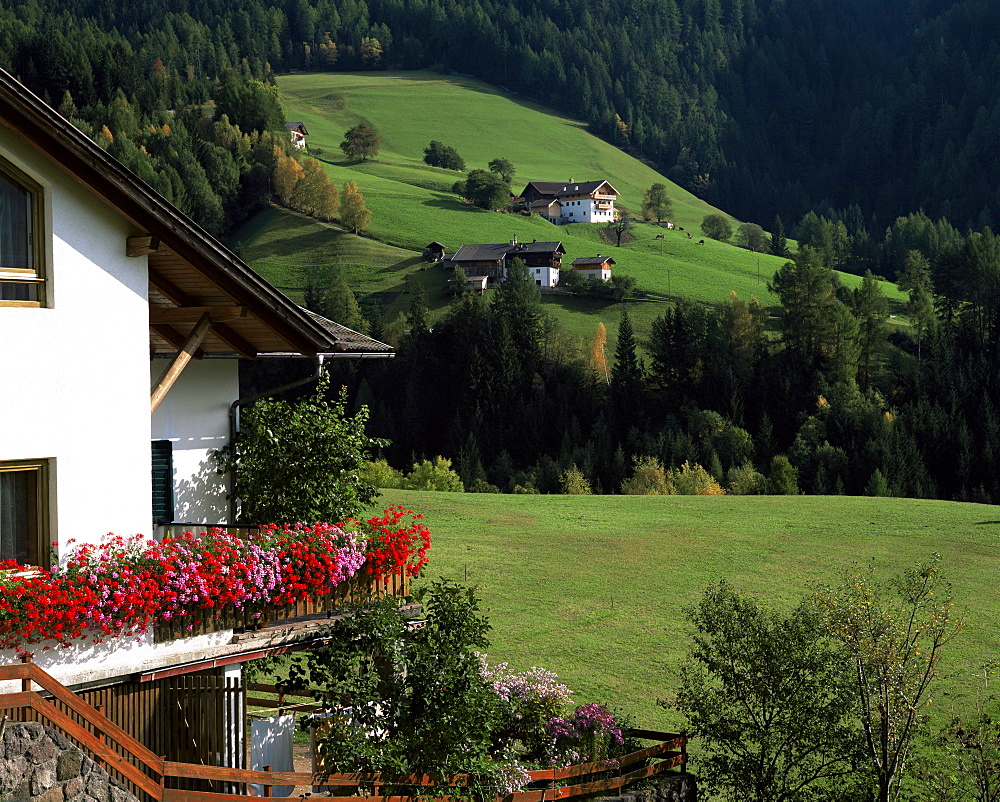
202 622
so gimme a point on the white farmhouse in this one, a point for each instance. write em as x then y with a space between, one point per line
571 201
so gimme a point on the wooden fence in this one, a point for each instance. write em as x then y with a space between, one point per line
156 779
193 718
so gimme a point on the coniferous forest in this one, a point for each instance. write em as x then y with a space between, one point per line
869 127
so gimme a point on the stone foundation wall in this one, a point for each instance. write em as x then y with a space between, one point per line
40 765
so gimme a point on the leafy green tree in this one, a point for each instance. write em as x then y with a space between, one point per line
503 168
574 483
438 154
917 282
693 480
745 480
769 698
628 378
805 288
354 214
656 203
420 703
249 104
361 142
418 316
648 479
877 485
301 460
342 305
782 478
717 226
315 298
433 474
752 237
458 280
379 473
871 308
892 633
486 190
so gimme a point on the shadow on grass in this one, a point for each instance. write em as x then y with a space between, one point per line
450 202
311 239
402 266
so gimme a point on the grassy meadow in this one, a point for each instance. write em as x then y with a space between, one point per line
412 203
593 587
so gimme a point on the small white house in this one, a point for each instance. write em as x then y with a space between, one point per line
597 267
298 133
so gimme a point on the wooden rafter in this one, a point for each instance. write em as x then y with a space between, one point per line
234 341
192 314
174 370
169 290
141 245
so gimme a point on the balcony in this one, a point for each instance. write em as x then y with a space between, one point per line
219 579
248 620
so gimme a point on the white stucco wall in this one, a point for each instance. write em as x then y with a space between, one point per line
74 390
74 377
194 416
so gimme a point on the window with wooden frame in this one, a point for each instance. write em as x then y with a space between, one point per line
24 532
22 279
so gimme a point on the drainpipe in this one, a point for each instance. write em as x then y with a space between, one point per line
234 413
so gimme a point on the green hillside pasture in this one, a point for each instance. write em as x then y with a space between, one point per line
593 587
412 203
287 249
291 250
482 122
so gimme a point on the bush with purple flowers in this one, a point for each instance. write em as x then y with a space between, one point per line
589 735
528 699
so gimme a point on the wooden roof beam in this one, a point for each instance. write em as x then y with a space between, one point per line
192 314
142 245
234 341
170 291
176 367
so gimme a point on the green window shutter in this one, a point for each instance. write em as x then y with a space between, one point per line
163 482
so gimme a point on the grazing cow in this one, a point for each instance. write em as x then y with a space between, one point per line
689 236
701 242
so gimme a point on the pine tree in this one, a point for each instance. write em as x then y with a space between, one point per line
627 386
342 305
779 242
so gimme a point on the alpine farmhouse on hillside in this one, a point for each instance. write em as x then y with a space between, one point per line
570 201
543 260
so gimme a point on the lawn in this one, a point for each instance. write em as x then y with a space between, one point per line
593 587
